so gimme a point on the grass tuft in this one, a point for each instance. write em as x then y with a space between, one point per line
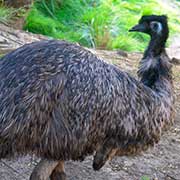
145 178
8 13
5 14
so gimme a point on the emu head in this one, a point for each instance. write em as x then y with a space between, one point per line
153 25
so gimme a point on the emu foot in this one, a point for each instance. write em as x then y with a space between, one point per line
58 176
43 170
99 161
105 153
58 173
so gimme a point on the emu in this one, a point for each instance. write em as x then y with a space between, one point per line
61 102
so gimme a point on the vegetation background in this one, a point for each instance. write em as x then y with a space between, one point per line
101 24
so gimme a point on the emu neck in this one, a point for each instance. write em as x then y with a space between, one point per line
155 67
156 46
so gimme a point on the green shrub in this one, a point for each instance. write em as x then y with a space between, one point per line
97 23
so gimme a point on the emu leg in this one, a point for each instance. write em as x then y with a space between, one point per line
105 153
59 172
43 169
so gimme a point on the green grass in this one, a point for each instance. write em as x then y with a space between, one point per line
97 23
1 55
145 178
5 14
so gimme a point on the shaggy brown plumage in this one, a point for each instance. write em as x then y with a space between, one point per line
60 101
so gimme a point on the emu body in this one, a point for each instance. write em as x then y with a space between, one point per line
61 102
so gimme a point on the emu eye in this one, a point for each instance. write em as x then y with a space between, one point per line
156 26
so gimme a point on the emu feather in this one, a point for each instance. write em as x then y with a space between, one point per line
61 102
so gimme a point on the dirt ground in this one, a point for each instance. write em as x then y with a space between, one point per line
159 163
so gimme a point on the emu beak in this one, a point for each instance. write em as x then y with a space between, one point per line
138 27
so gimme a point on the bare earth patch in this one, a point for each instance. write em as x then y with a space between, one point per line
159 163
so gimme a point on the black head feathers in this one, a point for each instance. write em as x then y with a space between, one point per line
149 18
153 25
